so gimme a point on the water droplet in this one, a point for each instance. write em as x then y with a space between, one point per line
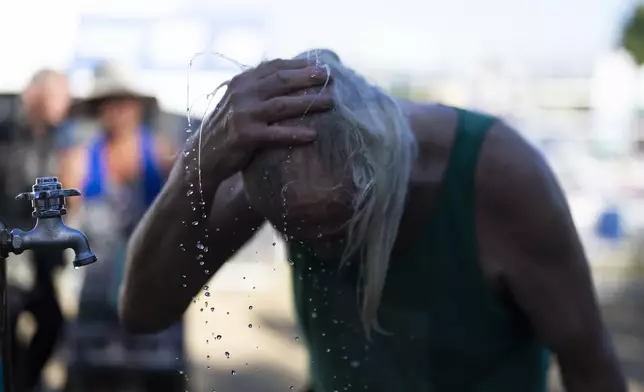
355 364
233 372
227 354
250 325
207 294
218 337
186 153
250 307
195 223
206 288
314 315
328 350
297 338
291 387
190 192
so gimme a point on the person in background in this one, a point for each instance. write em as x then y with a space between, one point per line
35 153
119 174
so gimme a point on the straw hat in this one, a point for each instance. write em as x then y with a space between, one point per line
112 81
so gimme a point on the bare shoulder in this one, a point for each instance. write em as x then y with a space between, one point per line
434 127
522 214
513 174
430 121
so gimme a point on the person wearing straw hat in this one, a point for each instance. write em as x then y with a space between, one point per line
119 174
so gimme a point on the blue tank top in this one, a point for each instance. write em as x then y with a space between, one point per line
124 203
95 183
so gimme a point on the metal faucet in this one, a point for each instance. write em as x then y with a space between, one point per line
50 232
48 200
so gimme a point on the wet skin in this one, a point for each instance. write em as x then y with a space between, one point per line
529 248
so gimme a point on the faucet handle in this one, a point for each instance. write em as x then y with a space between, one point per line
48 194
48 197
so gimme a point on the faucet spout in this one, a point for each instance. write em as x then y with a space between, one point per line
52 233
48 200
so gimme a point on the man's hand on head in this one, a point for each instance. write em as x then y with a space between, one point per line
249 115
530 234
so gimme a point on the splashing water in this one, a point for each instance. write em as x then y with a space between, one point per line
313 59
210 97
201 249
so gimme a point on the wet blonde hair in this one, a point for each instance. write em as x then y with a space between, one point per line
368 138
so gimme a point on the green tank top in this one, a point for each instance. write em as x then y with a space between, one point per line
449 331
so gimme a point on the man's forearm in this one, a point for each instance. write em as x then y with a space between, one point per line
164 237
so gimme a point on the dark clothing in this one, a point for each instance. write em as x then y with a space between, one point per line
22 161
30 361
450 332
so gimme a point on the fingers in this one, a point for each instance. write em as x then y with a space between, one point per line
277 135
269 67
283 108
287 81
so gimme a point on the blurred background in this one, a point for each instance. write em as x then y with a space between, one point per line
566 73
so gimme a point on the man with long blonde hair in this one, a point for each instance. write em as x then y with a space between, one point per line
432 247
